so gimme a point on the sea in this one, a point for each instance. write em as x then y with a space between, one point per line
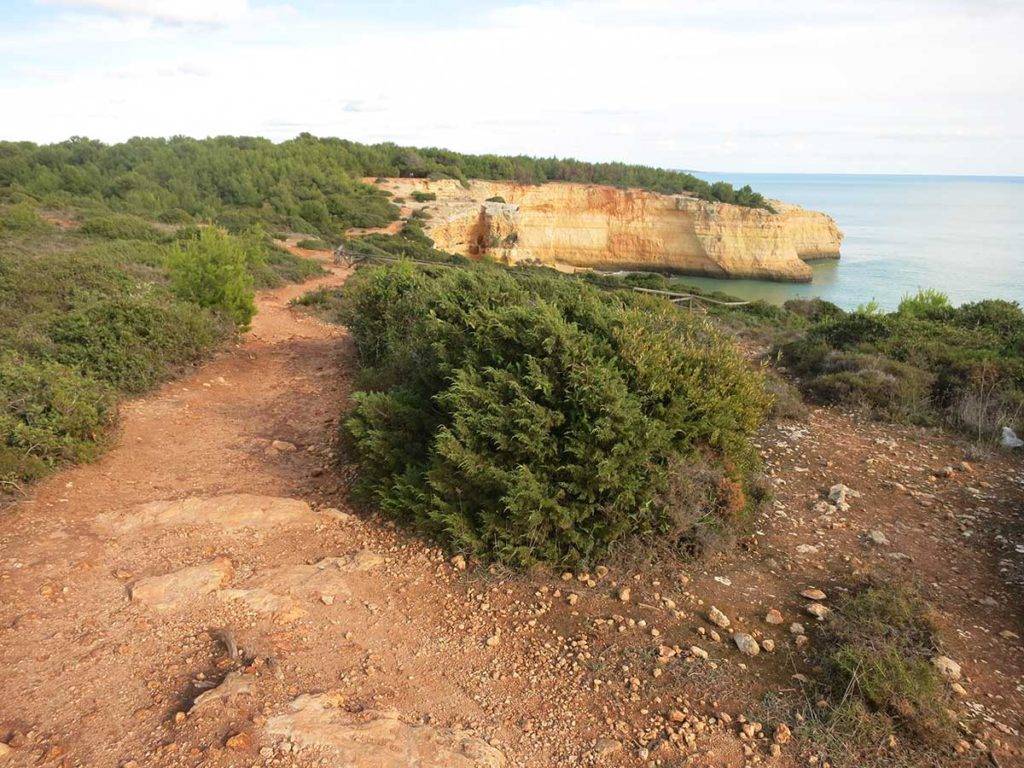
962 235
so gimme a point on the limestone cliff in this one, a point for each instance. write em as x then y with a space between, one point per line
599 227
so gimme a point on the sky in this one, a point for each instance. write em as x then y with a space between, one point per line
843 86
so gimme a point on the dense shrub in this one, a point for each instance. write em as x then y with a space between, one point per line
212 272
131 342
927 362
48 414
313 244
527 417
21 217
120 227
423 197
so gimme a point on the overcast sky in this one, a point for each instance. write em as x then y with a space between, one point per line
932 86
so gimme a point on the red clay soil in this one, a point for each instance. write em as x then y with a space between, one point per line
219 519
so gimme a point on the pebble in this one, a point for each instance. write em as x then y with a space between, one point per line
817 610
782 734
718 618
746 643
948 668
812 593
624 594
773 617
879 538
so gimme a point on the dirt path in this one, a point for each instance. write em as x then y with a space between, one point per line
359 644
97 662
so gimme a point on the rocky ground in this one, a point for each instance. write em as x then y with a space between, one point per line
204 595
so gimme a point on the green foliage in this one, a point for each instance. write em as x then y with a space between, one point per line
212 272
313 245
118 226
496 199
131 342
304 185
423 197
874 653
411 243
21 217
925 363
49 413
926 303
525 417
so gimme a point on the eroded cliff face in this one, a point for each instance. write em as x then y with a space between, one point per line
599 227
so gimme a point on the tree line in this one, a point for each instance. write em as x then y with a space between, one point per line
306 184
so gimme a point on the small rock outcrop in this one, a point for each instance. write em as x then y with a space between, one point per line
230 512
171 590
377 738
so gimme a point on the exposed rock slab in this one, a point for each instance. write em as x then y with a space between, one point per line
284 609
171 590
377 739
229 512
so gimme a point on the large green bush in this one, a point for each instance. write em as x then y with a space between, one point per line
212 271
526 417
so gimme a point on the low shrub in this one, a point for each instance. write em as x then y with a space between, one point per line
423 197
786 400
49 414
496 199
120 226
313 245
22 217
874 655
927 362
212 272
525 417
175 216
133 341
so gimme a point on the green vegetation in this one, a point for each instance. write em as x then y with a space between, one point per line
925 363
874 658
211 271
313 244
120 226
525 417
303 185
496 199
423 197
110 309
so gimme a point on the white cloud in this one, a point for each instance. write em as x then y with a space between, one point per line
736 85
167 11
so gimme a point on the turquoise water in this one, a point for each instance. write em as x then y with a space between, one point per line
963 235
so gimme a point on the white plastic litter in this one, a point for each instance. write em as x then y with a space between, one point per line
1010 439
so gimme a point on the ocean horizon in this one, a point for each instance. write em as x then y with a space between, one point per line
959 234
